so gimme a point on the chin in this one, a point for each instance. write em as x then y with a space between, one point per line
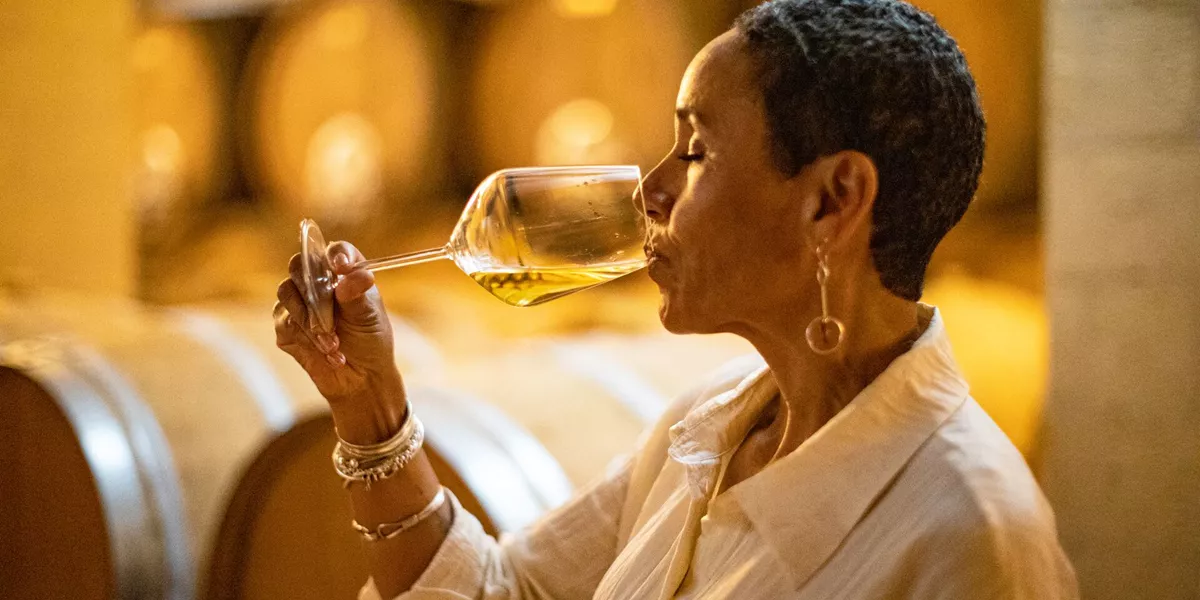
670 324
669 316
676 319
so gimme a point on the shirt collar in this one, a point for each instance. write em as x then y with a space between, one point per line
714 428
807 502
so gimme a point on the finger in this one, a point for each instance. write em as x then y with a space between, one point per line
353 286
336 359
288 336
343 256
288 331
279 314
290 298
295 274
299 343
295 267
285 333
359 303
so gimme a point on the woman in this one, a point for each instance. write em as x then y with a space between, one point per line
841 138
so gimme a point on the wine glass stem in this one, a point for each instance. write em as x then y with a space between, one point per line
404 260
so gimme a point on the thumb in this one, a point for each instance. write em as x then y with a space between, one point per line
358 298
356 295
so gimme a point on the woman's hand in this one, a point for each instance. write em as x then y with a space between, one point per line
353 366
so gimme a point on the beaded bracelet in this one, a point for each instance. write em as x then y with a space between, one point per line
374 462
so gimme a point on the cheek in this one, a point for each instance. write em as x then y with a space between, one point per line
713 202
720 212
711 234
706 224
734 235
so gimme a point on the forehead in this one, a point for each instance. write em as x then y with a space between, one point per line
719 85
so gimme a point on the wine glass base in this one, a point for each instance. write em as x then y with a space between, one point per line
317 277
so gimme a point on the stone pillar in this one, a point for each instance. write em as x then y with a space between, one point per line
66 217
1120 446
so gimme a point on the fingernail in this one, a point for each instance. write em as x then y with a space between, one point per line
336 359
328 342
340 261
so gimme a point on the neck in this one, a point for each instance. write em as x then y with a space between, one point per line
814 388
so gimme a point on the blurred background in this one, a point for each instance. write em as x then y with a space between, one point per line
156 157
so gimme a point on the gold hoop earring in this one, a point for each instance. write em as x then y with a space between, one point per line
818 332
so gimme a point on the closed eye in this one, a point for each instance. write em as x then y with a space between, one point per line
690 157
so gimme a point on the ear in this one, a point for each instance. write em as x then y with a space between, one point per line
849 183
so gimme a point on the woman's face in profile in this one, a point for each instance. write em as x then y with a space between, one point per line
727 228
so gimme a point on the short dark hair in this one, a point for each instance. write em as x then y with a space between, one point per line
880 77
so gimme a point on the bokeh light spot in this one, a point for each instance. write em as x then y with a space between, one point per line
585 8
344 168
578 131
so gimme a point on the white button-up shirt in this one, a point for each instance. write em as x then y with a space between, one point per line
911 491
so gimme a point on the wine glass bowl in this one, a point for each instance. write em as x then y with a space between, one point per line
527 236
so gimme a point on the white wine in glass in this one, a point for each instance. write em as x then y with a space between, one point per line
527 236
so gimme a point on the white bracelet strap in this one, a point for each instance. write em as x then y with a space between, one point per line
387 531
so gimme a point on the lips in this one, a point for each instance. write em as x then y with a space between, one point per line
656 264
653 254
653 249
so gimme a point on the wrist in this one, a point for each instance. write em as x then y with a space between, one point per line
369 420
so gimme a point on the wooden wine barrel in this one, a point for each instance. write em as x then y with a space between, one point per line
583 81
131 428
341 98
585 399
182 400
286 532
178 119
95 509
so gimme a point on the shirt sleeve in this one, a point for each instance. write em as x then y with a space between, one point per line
997 559
566 553
563 556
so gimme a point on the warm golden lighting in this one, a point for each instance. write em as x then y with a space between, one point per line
585 8
341 95
578 132
599 96
343 169
162 150
153 48
343 27
1002 43
178 120
999 335
162 159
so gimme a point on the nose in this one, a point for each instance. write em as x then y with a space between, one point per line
653 198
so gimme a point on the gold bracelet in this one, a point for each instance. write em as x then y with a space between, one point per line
387 531
372 468
367 463
366 452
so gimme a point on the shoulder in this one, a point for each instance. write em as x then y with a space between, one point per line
982 475
992 528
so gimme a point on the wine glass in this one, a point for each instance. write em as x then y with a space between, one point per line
527 236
